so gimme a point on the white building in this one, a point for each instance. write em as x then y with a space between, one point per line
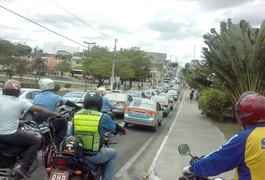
52 48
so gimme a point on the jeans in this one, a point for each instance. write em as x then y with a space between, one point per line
107 156
27 139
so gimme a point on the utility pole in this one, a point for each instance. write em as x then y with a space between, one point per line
86 73
112 79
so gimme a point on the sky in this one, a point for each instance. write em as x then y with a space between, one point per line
173 27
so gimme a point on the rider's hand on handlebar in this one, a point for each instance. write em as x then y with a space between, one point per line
120 130
186 171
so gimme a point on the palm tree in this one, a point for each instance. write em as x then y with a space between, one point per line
236 58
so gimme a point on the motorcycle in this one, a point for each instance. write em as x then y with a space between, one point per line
11 157
185 150
68 166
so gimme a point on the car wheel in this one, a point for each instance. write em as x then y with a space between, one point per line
155 127
171 108
28 116
126 124
165 114
160 123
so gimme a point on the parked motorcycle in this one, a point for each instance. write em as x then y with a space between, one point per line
185 150
11 158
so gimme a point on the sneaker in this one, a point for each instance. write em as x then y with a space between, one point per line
23 172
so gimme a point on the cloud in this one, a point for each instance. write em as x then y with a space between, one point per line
212 5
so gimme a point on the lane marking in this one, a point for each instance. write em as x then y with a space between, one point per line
123 171
151 172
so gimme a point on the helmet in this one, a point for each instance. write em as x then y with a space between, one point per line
102 90
73 145
93 100
12 88
250 108
46 84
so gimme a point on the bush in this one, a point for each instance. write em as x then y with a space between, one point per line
57 87
67 85
215 103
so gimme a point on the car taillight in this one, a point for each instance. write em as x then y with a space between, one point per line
128 110
152 114
121 102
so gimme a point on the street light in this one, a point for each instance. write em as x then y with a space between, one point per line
88 43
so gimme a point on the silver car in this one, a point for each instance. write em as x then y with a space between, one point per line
143 111
120 101
164 103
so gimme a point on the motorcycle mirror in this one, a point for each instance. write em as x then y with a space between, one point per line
184 149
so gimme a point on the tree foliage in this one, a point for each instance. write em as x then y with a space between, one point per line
63 67
235 58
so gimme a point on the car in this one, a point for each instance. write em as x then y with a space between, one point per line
170 99
164 103
120 101
135 94
117 91
174 93
150 92
76 97
28 94
145 112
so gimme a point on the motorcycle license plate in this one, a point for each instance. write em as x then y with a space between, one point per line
59 175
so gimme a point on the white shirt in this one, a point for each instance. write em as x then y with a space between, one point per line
10 110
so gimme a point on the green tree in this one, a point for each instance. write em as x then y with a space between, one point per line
63 67
21 67
98 63
235 58
141 64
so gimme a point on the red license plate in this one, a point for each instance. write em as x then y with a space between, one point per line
59 175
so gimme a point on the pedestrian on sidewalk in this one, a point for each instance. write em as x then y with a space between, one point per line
191 95
244 152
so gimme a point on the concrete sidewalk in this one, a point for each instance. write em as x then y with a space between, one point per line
192 128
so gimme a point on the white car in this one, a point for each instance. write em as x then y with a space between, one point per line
29 94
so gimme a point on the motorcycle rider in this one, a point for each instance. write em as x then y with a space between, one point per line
90 125
50 100
106 103
245 151
9 121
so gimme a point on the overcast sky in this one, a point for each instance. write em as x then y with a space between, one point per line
174 27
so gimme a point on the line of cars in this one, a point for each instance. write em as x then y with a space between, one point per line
135 107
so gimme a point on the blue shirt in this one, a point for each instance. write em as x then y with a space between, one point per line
106 104
49 100
245 151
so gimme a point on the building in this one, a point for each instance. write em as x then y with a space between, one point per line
53 48
158 65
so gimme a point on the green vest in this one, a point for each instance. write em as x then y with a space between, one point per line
86 127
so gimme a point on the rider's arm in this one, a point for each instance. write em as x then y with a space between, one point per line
42 110
223 159
71 104
109 105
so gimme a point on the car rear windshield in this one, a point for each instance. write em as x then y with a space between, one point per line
139 103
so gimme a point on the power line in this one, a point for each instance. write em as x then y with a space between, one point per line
81 20
42 26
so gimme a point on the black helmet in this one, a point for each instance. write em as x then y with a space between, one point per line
73 145
93 100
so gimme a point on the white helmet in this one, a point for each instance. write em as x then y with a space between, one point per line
102 90
46 84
